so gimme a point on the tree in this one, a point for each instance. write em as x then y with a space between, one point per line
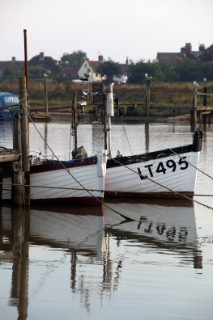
37 73
207 55
188 70
8 74
137 72
74 59
109 69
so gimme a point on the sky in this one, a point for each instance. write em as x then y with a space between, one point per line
116 29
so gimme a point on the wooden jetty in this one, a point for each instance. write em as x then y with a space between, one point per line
16 162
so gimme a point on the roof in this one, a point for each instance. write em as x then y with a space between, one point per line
70 71
94 64
174 57
46 62
12 65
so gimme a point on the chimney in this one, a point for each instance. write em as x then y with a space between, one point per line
127 60
201 47
183 50
41 56
13 59
100 58
188 47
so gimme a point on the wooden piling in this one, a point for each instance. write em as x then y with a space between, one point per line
25 138
194 109
147 102
204 103
45 94
17 190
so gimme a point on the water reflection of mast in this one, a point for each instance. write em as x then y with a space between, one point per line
147 135
19 291
73 269
45 138
110 271
1 228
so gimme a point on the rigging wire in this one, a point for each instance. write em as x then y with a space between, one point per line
127 137
201 171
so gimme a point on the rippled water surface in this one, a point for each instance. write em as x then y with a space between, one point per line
96 263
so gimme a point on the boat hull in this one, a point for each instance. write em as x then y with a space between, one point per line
75 182
169 173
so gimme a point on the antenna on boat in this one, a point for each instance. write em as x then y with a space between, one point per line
109 113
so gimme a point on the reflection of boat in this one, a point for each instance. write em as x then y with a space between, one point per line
167 173
78 181
76 228
169 225
158 234
134 229
79 229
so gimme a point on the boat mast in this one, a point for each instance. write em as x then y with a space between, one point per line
109 114
74 126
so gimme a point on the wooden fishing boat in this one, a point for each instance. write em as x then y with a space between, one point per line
167 173
78 181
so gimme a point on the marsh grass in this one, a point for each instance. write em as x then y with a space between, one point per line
165 98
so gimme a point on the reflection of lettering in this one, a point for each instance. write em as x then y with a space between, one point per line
162 167
141 220
170 233
149 229
161 229
183 233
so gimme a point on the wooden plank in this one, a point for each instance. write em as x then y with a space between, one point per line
205 108
7 156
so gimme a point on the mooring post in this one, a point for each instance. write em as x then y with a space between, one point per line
18 190
45 93
194 106
204 103
147 101
25 138
74 124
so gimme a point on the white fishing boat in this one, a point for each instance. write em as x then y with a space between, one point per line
53 182
78 181
167 173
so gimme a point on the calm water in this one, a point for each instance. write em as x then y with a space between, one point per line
83 263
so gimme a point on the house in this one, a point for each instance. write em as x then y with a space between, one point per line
123 77
69 72
88 70
12 67
186 53
47 63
